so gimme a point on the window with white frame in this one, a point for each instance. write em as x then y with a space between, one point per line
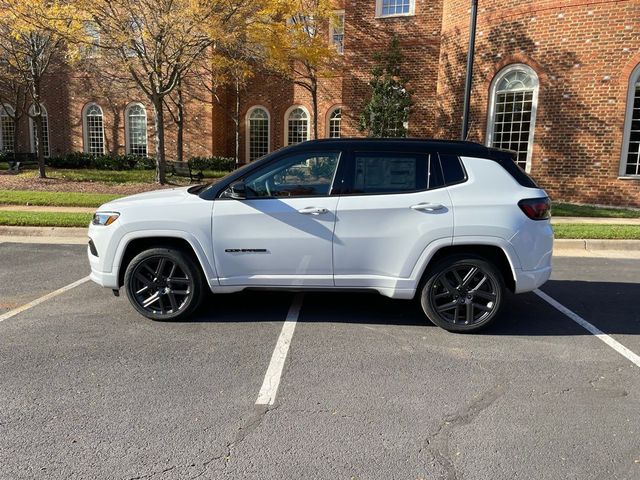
390 8
258 133
335 120
512 112
136 129
297 123
93 130
630 164
45 131
7 128
336 31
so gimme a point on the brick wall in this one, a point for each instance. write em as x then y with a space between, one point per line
582 51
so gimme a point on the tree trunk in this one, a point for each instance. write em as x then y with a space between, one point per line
180 125
39 143
314 106
236 121
37 110
158 114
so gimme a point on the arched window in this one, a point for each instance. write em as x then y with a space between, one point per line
296 125
335 119
136 129
630 164
7 128
257 133
45 131
512 112
93 129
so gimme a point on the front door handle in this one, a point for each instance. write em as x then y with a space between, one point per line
428 207
312 210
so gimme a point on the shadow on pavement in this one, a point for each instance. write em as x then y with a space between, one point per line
609 306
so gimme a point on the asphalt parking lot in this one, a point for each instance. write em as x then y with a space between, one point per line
368 390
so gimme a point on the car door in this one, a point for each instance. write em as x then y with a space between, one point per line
281 234
394 205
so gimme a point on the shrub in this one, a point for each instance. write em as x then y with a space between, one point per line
224 164
101 162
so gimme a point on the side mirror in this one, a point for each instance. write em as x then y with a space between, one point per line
238 190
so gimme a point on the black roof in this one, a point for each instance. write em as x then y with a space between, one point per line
457 147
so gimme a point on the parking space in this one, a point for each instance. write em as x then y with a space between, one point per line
91 389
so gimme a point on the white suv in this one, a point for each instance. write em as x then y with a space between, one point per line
455 224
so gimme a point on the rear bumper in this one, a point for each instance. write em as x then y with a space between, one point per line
529 280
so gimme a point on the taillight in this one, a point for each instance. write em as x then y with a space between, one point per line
536 208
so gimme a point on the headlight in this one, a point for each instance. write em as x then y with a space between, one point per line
105 218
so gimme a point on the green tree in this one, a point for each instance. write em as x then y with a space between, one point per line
387 112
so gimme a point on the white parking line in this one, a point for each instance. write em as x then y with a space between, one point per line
38 301
617 346
267 395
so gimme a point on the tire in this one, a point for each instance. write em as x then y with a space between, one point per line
169 275
458 300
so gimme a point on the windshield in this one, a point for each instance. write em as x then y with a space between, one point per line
200 189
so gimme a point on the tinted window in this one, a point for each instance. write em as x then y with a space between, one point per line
303 174
452 169
393 173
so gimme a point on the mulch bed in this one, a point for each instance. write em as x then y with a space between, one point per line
14 182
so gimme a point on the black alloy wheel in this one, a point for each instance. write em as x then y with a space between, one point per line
463 294
164 284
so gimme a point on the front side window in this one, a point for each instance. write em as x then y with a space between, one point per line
7 129
337 32
377 173
34 131
258 126
335 121
630 164
389 8
136 130
297 126
303 174
513 112
94 130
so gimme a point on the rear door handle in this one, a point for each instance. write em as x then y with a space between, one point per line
428 207
312 210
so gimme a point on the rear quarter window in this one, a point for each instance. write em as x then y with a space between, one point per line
452 169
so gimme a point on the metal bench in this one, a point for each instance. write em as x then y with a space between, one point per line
18 160
183 169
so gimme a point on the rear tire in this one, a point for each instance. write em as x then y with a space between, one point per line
164 284
462 293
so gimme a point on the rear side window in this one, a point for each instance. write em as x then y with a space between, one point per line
452 169
378 173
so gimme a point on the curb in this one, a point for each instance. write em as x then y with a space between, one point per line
59 232
566 247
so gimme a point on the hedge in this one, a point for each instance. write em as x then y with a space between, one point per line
132 162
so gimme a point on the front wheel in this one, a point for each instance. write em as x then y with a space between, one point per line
462 293
164 284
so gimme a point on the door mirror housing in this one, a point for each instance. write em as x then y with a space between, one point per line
238 190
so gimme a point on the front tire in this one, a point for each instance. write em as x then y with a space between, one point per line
164 284
462 293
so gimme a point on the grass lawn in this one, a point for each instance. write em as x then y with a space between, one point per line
45 219
597 232
54 199
571 210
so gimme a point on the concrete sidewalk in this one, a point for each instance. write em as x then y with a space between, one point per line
41 208
564 248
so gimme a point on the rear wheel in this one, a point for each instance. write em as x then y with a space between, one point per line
164 284
463 293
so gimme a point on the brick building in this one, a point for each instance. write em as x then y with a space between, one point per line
556 80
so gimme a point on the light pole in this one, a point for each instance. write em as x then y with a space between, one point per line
469 79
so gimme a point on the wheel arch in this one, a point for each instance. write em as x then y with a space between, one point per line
492 252
133 245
